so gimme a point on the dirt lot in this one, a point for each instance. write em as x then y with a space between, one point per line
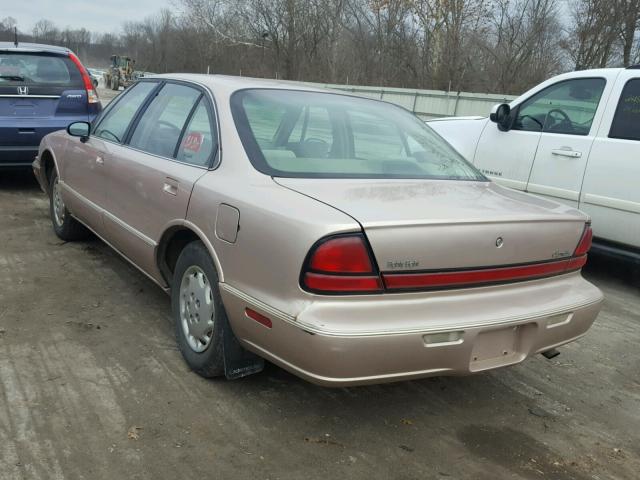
93 387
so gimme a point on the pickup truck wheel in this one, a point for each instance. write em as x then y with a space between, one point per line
65 226
198 312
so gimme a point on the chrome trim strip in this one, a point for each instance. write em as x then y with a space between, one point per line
18 148
99 209
554 192
29 96
149 241
608 202
424 330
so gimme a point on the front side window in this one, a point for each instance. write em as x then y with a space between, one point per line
312 134
117 119
626 122
160 127
566 107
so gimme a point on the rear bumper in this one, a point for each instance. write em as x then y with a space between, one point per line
17 155
20 137
427 335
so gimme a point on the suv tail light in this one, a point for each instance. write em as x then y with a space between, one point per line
92 95
341 264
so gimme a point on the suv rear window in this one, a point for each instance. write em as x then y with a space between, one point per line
37 69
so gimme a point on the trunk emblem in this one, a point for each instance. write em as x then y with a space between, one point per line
499 242
23 90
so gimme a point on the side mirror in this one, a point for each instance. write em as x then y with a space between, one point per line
500 114
79 129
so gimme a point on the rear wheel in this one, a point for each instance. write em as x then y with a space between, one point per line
198 312
65 226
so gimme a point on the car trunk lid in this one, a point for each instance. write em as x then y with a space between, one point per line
431 225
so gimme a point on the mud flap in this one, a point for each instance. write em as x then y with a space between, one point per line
238 362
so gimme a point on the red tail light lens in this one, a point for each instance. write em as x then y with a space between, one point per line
92 95
585 242
341 264
342 255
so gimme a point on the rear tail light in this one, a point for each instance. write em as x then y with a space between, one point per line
341 264
92 95
345 264
585 242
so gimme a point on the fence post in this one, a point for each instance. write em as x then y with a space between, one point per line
455 105
415 101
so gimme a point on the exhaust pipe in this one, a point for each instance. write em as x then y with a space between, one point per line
549 354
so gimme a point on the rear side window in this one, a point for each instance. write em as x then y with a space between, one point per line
626 122
117 119
199 138
160 127
26 69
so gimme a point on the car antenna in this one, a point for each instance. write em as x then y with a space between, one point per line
15 36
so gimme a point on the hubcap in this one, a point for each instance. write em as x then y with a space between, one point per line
59 210
197 310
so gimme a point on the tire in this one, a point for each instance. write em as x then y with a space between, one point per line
65 226
191 310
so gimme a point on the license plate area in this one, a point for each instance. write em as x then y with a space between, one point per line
497 348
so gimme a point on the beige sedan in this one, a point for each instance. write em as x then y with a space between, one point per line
336 236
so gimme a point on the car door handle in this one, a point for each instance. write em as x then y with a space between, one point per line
566 152
170 186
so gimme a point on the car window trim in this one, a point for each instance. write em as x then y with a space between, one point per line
517 108
128 133
615 113
186 124
100 118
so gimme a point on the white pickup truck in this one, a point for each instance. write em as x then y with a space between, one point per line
574 138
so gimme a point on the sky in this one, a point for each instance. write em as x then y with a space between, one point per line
100 16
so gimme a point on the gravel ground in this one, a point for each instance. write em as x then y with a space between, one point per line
93 387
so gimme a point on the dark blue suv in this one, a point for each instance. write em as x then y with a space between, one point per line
42 89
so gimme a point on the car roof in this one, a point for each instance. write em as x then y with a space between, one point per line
33 47
228 84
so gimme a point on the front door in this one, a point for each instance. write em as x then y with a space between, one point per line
84 168
567 113
83 179
150 179
507 157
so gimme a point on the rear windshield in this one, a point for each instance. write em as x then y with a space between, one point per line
33 69
288 133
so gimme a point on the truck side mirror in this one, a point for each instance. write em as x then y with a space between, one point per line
500 114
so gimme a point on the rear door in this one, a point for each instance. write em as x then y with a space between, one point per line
611 189
39 93
150 179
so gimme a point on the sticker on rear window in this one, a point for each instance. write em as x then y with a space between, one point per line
193 142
